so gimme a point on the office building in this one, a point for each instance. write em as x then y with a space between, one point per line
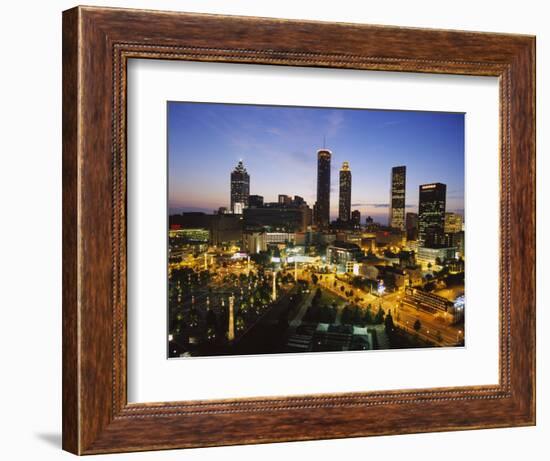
340 253
431 215
280 237
435 256
190 220
397 197
226 229
200 235
240 188
344 209
285 199
322 206
275 217
453 223
299 200
255 242
356 219
255 201
411 226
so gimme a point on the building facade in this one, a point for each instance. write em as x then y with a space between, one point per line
280 237
340 253
322 206
397 199
431 215
240 188
453 223
284 199
411 226
255 201
344 209
226 229
275 217
435 256
255 242
356 219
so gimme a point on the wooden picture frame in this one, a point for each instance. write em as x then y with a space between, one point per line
97 43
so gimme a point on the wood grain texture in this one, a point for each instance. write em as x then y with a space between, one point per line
70 383
97 43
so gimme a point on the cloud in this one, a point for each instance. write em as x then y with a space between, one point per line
376 205
335 122
373 205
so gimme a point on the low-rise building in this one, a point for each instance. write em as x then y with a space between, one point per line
254 242
280 237
435 256
340 253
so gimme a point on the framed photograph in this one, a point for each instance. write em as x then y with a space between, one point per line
282 230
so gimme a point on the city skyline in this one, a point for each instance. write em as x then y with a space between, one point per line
290 251
431 145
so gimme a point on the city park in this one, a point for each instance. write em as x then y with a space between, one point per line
230 303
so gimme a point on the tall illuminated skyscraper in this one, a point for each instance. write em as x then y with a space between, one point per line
240 188
344 210
397 199
431 214
322 206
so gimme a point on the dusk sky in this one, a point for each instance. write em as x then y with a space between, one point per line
278 146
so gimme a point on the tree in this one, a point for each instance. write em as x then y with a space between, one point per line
211 333
210 318
358 316
327 315
314 279
430 286
239 324
347 316
389 325
417 325
379 318
368 314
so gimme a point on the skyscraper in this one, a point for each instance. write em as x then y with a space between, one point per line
322 210
344 210
431 214
240 188
356 219
397 199
411 225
